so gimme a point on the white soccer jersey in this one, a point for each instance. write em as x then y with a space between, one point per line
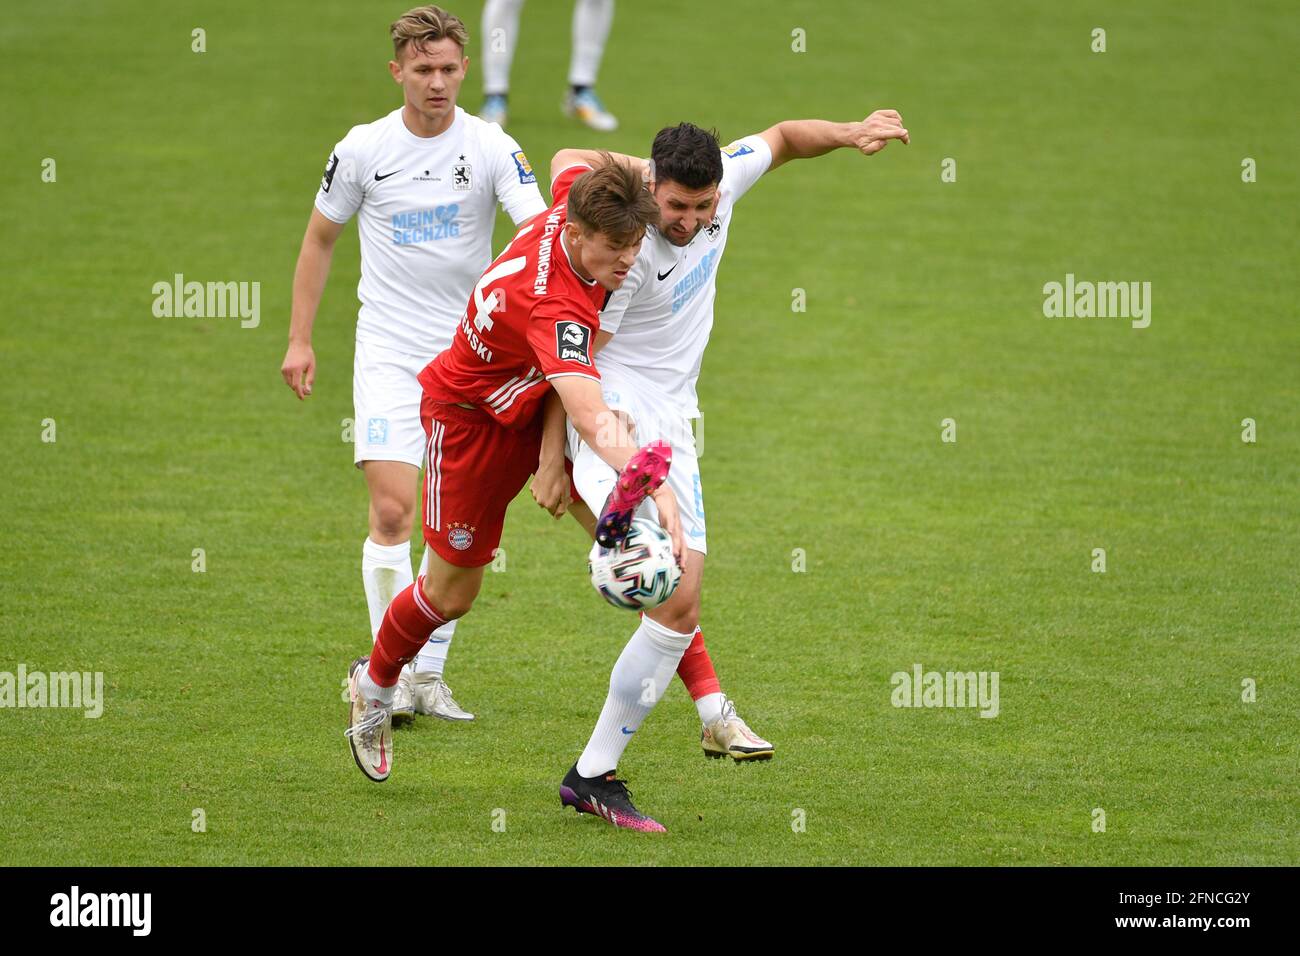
662 315
425 208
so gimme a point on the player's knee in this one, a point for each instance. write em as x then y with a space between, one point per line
392 517
682 616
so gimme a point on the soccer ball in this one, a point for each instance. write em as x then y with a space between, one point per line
641 574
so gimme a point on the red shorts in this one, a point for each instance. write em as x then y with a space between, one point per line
474 468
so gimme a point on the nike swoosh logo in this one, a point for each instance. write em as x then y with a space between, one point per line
382 766
665 275
379 178
626 731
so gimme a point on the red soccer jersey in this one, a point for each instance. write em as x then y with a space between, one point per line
531 318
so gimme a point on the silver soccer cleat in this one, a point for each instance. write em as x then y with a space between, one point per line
433 698
731 736
404 698
370 728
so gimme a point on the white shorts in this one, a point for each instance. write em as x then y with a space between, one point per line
654 418
386 405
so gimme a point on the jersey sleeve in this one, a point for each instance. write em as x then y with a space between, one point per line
743 162
560 332
341 192
561 184
514 179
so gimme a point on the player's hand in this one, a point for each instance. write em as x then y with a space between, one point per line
299 368
671 521
550 490
874 133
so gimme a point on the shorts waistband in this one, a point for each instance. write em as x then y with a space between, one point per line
451 412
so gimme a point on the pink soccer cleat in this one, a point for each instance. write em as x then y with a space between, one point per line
640 478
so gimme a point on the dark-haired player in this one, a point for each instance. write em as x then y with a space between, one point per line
651 343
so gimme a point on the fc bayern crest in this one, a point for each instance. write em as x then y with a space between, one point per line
460 536
460 177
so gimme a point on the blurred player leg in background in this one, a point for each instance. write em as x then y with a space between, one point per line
591 23
500 32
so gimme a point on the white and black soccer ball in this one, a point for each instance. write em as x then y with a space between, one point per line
639 575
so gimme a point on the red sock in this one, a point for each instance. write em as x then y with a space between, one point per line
696 669
407 626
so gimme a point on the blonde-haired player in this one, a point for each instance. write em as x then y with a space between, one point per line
423 183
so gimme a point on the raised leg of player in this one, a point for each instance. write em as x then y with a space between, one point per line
386 556
430 693
386 571
444 593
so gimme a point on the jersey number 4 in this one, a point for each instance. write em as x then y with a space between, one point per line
496 301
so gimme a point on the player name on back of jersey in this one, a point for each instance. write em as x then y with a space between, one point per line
477 344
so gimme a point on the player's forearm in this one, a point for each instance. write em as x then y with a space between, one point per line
308 286
604 432
806 139
554 432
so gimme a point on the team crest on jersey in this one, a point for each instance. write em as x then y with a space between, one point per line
460 177
377 431
572 342
714 229
460 536
525 168
737 149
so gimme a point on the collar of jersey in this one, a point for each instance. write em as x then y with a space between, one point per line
425 141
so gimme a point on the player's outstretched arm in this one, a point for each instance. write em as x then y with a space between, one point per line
607 435
805 139
594 157
299 366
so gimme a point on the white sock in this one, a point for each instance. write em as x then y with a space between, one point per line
591 22
432 658
640 676
710 707
372 691
385 572
498 49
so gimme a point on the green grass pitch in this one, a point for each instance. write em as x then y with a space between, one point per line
1120 691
